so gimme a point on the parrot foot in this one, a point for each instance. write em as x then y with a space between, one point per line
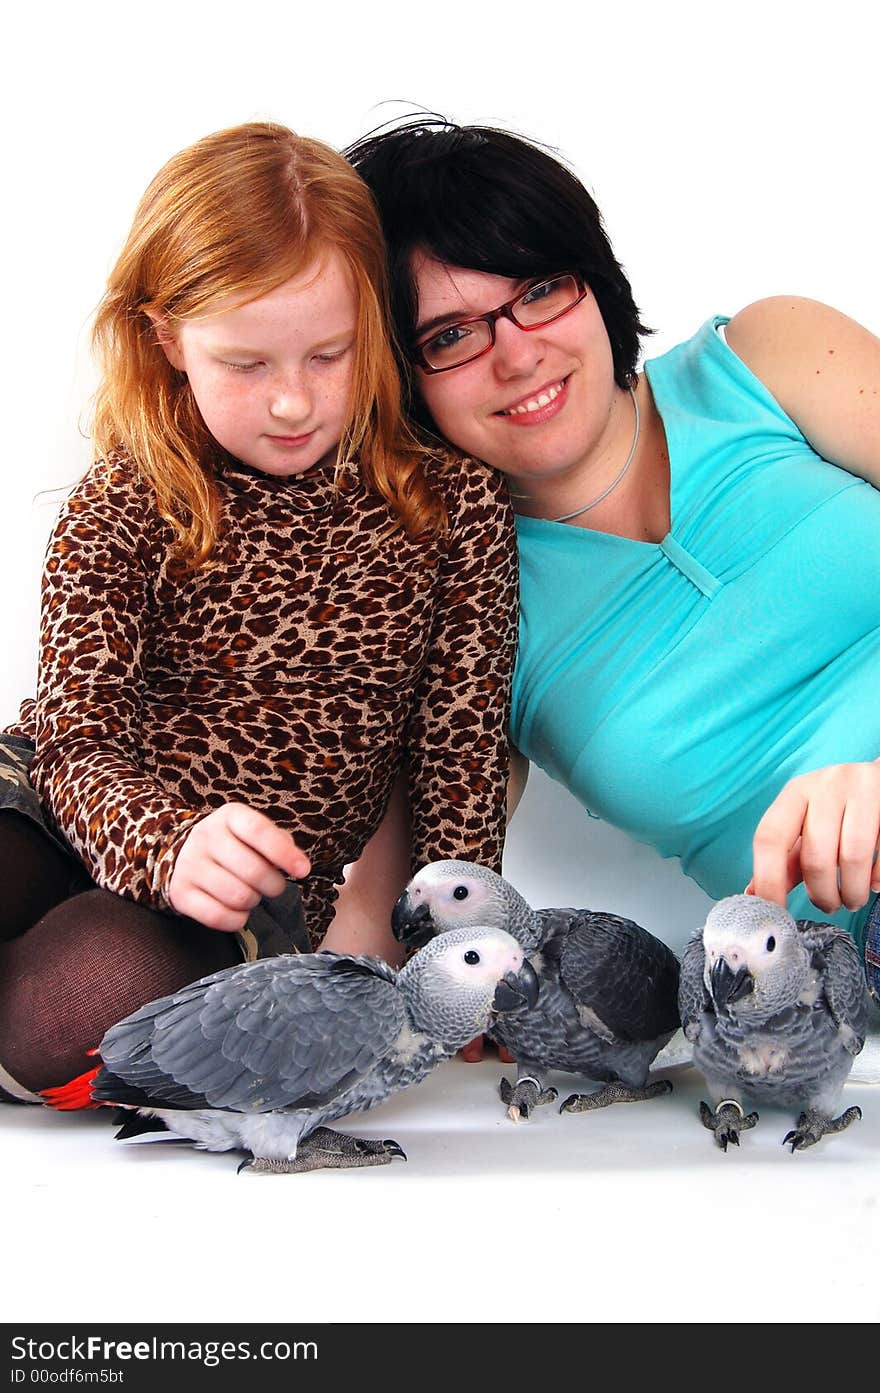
727 1121
614 1093
325 1149
527 1094
812 1126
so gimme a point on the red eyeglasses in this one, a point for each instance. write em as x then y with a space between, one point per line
467 339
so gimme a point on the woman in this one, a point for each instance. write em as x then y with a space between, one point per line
699 567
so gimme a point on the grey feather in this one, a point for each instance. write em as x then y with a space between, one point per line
300 1040
776 1010
609 989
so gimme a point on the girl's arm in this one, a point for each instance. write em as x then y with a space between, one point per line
824 370
94 632
132 833
457 737
449 800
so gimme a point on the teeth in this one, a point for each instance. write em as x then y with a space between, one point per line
535 403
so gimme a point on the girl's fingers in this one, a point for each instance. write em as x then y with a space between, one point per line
226 889
197 904
247 866
262 835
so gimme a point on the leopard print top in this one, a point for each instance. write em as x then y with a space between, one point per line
293 673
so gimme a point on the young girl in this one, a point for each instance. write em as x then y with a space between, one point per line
262 597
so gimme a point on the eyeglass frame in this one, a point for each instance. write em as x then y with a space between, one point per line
491 317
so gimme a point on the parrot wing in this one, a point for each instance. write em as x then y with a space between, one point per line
622 975
836 956
692 996
285 1032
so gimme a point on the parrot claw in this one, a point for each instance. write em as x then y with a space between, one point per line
812 1126
727 1121
527 1094
389 1145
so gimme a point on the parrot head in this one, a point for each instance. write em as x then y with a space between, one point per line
756 962
457 982
448 895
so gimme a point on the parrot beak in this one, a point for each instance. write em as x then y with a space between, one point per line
516 990
728 986
412 926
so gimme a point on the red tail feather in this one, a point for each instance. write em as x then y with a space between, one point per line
76 1094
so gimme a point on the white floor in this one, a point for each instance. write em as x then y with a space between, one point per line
629 1214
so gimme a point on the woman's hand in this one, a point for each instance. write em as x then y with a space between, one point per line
230 860
822 829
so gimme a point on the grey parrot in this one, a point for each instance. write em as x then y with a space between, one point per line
608 997
260 1056
777 1010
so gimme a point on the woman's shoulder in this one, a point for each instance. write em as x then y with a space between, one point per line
819 365
782 338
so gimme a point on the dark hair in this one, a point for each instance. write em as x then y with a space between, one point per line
487 200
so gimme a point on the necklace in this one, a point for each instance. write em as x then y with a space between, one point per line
566 517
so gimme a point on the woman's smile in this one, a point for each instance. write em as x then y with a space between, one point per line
537 407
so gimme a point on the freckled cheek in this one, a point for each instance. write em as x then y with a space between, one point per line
227 418
228 411
331 404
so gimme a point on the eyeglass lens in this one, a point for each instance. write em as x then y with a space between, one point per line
459 343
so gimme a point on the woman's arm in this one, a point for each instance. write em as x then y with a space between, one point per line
824 370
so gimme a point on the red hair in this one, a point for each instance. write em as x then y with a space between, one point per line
236 215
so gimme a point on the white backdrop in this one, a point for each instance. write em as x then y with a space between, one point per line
732 149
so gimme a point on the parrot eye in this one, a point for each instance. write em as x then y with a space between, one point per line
472 957
771 944
460 892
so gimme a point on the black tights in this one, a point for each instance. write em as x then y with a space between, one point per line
75 959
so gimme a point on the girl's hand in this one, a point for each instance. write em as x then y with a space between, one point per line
822 829
230 860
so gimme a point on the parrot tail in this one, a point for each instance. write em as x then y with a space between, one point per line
73 1095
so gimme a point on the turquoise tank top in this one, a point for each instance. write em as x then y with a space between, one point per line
675 687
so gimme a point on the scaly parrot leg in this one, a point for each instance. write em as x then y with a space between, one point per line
529 1093
812 1126
326 1149
614 1093
727 1121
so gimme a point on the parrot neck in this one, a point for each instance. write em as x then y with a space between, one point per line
434 1030
526 926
